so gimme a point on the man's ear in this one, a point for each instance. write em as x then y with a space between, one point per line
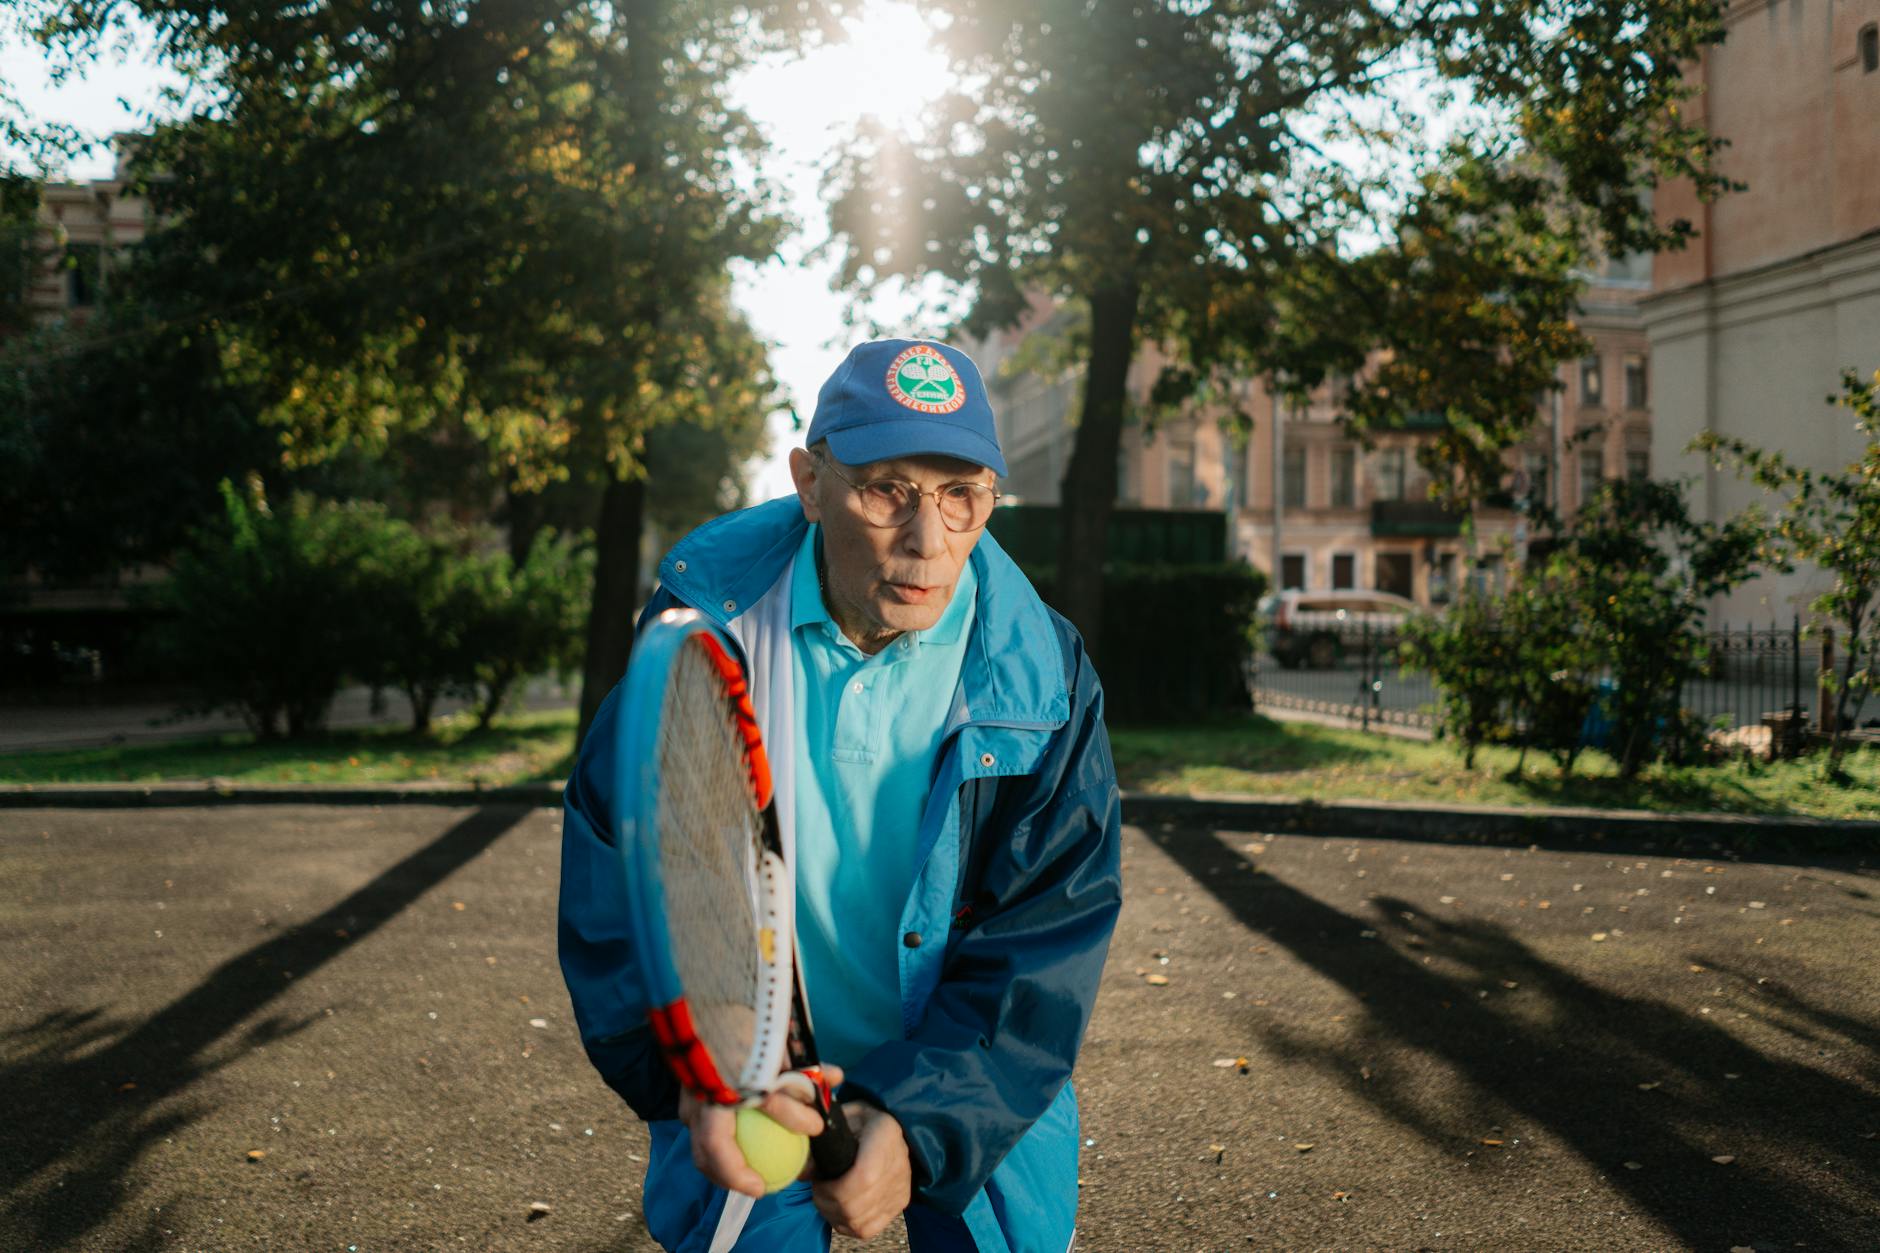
804 473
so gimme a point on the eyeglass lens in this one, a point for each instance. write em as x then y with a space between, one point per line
963 506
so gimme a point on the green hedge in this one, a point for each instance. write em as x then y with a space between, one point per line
1175 638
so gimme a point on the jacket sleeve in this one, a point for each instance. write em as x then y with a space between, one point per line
1000 1034
596 952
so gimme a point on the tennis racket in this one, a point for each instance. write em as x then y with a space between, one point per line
712 901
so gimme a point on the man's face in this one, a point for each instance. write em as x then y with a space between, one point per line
881 581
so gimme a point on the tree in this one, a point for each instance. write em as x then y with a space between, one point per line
1193 174
510 217
1832 520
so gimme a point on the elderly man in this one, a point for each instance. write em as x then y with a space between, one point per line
952 822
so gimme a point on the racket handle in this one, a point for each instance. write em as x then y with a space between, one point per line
834 1150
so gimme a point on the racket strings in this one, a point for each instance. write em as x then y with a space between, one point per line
708 848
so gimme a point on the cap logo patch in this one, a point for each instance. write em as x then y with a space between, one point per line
925 381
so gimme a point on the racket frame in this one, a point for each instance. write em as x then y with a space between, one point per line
783 1030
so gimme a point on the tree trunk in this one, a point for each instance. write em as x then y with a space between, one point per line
616 595
1089 489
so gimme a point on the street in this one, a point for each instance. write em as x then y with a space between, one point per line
326 1028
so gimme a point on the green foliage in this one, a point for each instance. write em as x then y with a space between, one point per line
1471 658
521 620
1178 637
1215 180
276 609
1832 520
1610 626
270 615
116 440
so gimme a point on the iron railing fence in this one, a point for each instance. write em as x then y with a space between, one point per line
1355 675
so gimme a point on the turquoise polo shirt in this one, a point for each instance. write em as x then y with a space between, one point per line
868 734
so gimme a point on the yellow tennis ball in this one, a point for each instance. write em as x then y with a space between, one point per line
773 1150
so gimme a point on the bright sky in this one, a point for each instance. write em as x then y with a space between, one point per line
805 104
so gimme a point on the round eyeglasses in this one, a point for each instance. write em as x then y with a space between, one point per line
894 502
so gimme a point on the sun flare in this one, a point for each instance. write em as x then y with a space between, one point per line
888 67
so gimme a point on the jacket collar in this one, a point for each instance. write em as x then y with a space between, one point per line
1013 673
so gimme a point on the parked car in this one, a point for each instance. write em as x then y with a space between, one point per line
1315 628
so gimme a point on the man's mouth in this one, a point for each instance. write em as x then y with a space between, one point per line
912 593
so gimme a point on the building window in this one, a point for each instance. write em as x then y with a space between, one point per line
81 265
1535 465
1592 473
1390 474
1396 572
1293 478
1292 572
1344 477
1635 380
1589 381
1638 465
1443 579
1344 570
1182 488
1869 48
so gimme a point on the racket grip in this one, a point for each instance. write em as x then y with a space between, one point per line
834 1150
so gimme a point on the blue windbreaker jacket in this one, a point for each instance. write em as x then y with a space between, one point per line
1020 872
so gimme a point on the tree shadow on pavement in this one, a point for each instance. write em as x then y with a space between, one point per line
1613 1078
81 1111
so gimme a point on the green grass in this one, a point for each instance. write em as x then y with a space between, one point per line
520 749
1251 756
1255 756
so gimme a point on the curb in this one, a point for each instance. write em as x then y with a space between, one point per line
175 795
1501 824
1307 817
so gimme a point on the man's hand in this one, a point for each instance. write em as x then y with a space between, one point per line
714 1133
880 1184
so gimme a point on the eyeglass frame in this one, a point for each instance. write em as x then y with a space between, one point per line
919 496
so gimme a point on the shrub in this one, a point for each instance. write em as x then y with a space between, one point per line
268 615
1175 637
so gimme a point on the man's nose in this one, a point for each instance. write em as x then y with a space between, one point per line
925 534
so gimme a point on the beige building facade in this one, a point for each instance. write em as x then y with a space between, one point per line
84 226
1310 506
1752 325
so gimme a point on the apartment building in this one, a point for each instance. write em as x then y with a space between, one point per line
83 226
1314 508
1751 326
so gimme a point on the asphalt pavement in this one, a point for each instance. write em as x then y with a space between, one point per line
321 1028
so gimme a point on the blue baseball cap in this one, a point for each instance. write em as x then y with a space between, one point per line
905 398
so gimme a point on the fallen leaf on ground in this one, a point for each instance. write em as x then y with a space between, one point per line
1598 936
255 1155
1155 980
457 905
1647 1087
1543 904
538 1209
540 1024
1493 1144
1304 1148
1724 1159
1447 900
1635 1165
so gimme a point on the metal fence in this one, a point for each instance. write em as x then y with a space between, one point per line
1756 674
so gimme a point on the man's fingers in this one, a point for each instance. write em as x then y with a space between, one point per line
788 1110
716 1153
863 1202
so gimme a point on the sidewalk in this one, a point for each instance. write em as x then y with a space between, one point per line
85 724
